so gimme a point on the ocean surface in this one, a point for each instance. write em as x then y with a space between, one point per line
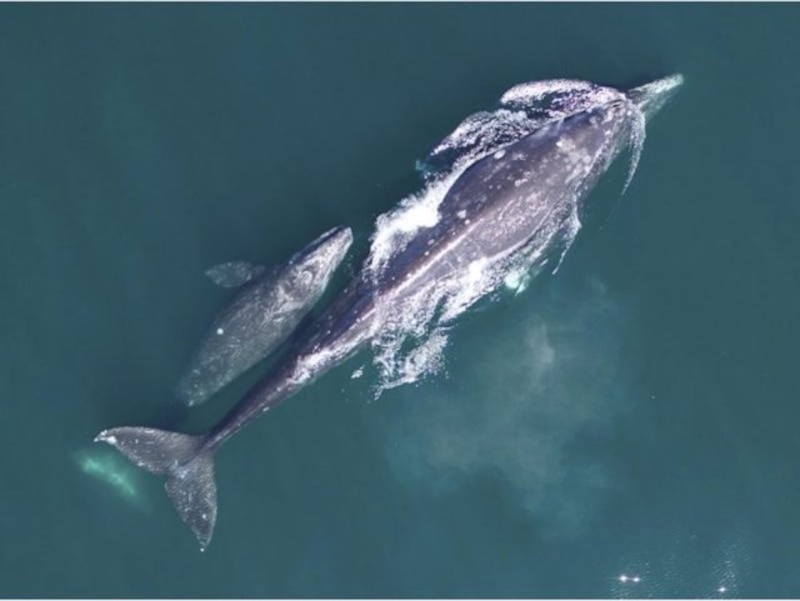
627 427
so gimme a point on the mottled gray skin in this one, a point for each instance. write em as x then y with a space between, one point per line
502 205
261 316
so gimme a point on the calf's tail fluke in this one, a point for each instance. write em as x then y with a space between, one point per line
187 467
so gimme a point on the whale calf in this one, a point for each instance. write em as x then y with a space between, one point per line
497 204
265 312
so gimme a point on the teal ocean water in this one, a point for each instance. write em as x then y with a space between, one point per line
625 428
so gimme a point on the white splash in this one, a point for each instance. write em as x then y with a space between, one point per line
517 281
398 368
393 230
637 136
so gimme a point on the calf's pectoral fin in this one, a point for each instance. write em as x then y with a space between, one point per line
234 274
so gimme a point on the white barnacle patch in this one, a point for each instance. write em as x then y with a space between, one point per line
462 214
500 154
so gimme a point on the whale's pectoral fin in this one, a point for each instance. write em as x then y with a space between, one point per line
188 469
234 274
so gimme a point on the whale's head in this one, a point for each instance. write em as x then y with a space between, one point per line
610 123
632 111
313 267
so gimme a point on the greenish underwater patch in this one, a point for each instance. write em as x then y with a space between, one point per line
117 473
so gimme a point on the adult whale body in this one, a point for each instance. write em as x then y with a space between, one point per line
507 209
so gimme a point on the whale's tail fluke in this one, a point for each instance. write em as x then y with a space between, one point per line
188 469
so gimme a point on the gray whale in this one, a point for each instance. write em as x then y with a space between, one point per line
507 207
263 314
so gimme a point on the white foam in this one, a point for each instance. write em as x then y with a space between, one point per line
394 229
424 359
517 280
535 90
637 136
